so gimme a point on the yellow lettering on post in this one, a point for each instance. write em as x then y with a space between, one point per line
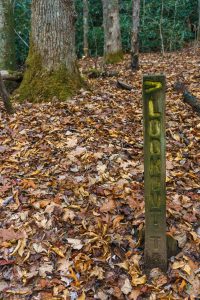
154 147
152 86
152 112
154 171
154 128
155 166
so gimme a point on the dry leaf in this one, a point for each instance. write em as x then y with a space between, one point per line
75 243
126 288
117 220
97 272
71 142
187 269
22 247
134 294
139 280
178 265
82 297
107 206
58 251
11 234
68 215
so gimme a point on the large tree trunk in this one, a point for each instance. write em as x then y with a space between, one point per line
85 27
51 64
112 35
7 36
135 35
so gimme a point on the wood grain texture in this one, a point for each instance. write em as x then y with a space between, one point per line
154 171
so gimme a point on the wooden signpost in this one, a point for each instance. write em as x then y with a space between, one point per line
154 171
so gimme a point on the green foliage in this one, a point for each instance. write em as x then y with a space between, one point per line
180 18
22 15
95 27
176 24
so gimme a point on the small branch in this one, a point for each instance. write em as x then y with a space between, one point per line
188 97
19 36
95 73
124 85
5 97
11 76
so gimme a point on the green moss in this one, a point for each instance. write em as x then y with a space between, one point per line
40 85
94 73
113 58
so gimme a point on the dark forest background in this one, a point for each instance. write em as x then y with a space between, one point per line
176 19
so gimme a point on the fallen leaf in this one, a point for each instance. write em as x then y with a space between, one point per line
117 220
75 243
71 142
97 272
178 265
47 267
22 247
134 294
126 288
58 251
139 280
82 297
187 269
11 234
107 206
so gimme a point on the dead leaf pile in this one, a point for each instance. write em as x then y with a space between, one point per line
71 191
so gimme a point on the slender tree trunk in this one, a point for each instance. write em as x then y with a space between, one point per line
112 34
5 97
160 27
85 27
7 36
198 34
51 64
135 35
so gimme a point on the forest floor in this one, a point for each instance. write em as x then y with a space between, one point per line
71 191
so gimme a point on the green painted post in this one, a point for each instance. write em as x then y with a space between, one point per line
154 171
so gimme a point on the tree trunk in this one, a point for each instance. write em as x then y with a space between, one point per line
85 27
51 63
5 97
198 34
7 36
135 35
112 35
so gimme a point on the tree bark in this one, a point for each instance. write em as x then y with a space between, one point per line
135 35
85 28
5 97
51 64
7 36
112 33
198 33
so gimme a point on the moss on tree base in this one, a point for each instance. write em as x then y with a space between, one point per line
41 85
113 58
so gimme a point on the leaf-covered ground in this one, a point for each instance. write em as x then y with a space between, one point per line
71 191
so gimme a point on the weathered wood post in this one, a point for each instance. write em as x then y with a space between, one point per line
154 171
